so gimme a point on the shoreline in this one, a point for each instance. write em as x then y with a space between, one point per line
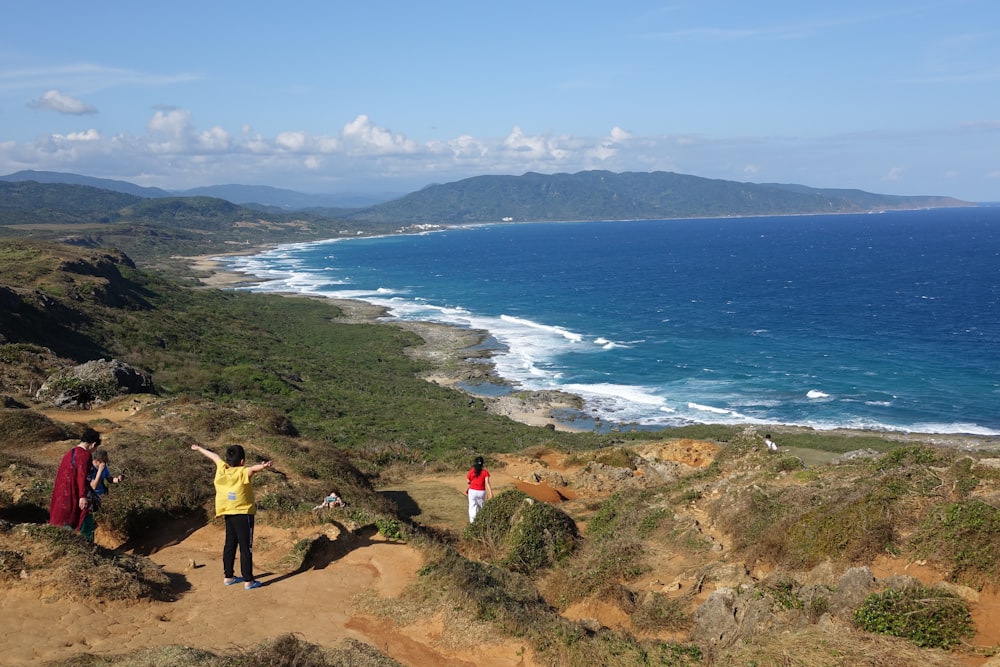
448 349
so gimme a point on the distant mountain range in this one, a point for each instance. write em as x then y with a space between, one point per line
587 195
254 196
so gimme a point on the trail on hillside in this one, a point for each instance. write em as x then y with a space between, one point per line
319 602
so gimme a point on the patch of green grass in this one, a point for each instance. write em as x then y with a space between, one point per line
854 526
599 570
783 591
754 513
787 464
616 457
929 617
910 455
511 604
963 535
653 520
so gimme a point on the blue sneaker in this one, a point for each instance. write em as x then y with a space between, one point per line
234 580
250 585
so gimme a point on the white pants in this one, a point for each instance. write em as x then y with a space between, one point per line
476 500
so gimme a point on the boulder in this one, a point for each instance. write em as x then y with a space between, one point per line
729 616
94 383
854 586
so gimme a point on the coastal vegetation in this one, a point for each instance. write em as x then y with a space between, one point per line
701 546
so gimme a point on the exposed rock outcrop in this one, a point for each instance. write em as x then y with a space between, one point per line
94 383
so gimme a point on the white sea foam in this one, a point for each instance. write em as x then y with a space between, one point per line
708 408
565 333
630 393
954 428
685 388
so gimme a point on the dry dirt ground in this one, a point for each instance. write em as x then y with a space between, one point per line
326 604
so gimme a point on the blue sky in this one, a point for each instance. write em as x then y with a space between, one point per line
890 97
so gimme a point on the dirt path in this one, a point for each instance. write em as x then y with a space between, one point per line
318 605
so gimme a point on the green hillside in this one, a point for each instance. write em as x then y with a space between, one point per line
603 195
152 230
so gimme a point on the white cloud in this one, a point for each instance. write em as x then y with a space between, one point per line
518 142
291 141
619 135
86 135
362 134
172 153
171 123
54 100
215 138
466 146
608 148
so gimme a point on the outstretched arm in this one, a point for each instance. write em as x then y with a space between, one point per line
254 469
210 454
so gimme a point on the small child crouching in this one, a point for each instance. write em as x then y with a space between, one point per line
332 500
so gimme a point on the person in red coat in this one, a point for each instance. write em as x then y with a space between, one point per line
70 503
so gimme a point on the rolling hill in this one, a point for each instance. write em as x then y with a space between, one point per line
603 195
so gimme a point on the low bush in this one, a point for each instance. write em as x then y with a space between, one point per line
522 533
963 535
929 617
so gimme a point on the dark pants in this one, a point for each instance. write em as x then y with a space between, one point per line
239 532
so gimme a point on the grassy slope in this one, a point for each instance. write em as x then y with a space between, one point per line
285 377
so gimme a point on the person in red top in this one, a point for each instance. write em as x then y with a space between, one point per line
479 487
70 502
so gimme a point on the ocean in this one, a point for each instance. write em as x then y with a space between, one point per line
885 321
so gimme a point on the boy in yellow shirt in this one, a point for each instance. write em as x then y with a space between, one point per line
235 502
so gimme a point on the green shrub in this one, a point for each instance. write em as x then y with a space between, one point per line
616 457
522 533
906 456
788 463
929 617
783 590
11 353
854 526
26 429
962 534
390 528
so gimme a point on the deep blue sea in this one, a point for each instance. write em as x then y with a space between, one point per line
887 321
